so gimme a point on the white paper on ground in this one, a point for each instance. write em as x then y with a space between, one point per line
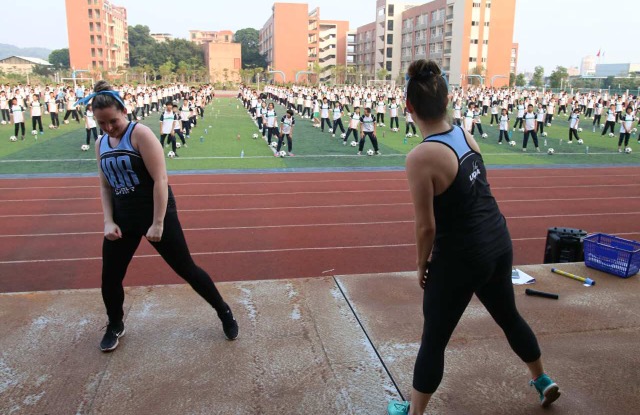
519 277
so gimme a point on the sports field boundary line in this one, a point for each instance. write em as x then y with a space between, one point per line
375 350
321 170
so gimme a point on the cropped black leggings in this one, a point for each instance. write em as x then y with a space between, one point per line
116 256
450 285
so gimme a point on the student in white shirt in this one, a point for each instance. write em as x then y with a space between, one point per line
457 113
574 121
71 109
380 112
468 117
520 115
393 113
270 122
168 121
597 114
626 122
354 123
52 106
477 121
337 119
324 114
368 129
408 118
36 114
504 126
542 116
306 112
530 127
17 117
90 125
611 119
494 113
287 122
4 107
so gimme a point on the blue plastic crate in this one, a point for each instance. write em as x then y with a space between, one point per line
611 254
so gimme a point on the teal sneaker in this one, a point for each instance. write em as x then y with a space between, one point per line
398 408
547 388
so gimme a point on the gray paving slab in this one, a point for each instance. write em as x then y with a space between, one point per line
589 340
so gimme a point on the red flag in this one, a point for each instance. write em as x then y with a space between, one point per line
598 55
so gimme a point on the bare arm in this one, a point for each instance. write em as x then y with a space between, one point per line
422 192
153 156
111 229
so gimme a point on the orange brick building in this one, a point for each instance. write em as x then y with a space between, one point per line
223 61
462 35
98 35
295 39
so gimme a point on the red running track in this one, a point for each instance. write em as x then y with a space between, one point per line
290 225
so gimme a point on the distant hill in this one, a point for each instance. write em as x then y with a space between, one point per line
10 50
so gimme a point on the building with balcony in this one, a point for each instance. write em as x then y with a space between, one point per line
295 39
200 37
161 37
464 37
98 35
514 58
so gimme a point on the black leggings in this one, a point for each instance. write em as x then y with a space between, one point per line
171 139
380 117
372 137
534 136
116 256
322 121
349 131
289 142
338 123
73 114
624 137
596 119
36 120
55 121
479 126
540 127
17 126
496 118
93 131
506 135
413 127
450 285
608 124
5 115
396 120
573 132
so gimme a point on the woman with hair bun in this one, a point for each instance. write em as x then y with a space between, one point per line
463 243
137 201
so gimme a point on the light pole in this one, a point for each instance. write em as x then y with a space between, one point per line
145 78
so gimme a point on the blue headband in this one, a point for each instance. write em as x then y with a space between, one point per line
113 94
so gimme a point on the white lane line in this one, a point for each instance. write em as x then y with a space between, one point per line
239 209
260 251
530 177
324 192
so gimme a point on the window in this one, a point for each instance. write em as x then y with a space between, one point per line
98 27
484 60
475 23
389 52
476 5
91 26
93 52
97 14
390 14
92 39
99 52
90 14
485 42
474 41
488 5
486 24
389 39
389 24
389 66
99 40
473 59
89 2
95 64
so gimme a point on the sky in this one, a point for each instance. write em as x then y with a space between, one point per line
550 32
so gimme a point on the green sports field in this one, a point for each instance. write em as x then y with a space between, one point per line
218 140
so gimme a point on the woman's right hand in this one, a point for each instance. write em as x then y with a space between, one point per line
112 231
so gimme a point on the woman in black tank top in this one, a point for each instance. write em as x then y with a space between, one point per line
458 226
137 202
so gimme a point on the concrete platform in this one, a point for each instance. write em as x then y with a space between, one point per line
303 351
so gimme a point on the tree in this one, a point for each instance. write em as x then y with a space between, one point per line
249 38
60 58
538 77
520 81
512 79
166 69
558 77
382 73
478 70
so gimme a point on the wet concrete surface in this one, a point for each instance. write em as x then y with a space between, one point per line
590 341
302 350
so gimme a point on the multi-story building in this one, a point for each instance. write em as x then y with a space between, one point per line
295 40
514 58
468 38
223 60
588 66
98 35
352 47
161 37
379 42
200 37
618 70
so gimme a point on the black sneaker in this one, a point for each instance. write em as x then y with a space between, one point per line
110 340
229 324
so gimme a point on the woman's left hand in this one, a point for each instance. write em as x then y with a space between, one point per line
154 234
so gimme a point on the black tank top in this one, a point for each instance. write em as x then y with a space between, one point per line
469 224
131 183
